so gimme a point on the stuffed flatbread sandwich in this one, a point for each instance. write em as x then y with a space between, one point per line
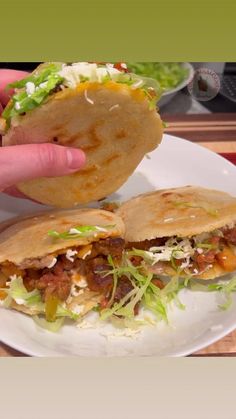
188 230
101 108
50 263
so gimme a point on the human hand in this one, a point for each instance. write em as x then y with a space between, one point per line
25 162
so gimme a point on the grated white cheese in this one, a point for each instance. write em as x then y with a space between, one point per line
17 106
185 264
82 283
73 74
179 250
137 84
19 301
13 277
84 324
87 98
52 263
74 291
199 250
30 88
216 327
44 84
87 254
114 107
101 228
78 309
70 253
164 255
127 332
74 231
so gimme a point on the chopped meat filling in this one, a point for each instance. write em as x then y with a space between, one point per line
110 246
110 206
147 244
200 260
205 259
230 235
57 280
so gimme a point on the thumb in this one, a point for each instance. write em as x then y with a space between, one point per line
24 162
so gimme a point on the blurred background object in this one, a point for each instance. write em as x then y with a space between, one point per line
172 77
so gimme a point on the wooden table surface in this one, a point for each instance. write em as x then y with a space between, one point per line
218 133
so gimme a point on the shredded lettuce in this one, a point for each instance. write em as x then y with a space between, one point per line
184 204
207 246
144 291
168 75
157 300
44 81
146 255
165 124
115 280
127 310
65 312
173 249
140 282
37 77
50 326
179 252
19 293
226 289
79 231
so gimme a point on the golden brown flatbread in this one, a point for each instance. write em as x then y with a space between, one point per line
28 238
25 242
183 212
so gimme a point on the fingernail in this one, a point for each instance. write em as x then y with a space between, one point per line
75 158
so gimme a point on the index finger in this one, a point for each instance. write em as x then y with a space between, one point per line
6 77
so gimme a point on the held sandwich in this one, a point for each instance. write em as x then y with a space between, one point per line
100 108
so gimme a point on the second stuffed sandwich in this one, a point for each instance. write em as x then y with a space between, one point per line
188 230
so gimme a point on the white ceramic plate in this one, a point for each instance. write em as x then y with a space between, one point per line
175 163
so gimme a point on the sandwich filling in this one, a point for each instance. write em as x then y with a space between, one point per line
114 278
35 89
54 282
189 256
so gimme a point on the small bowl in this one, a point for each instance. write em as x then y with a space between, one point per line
169 94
